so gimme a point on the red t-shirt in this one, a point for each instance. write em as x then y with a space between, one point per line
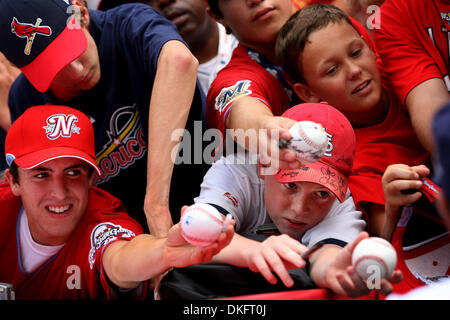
413 42
378 146
104 222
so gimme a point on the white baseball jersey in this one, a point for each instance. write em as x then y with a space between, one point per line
236 187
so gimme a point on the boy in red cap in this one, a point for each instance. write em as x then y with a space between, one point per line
130 71
308 205
66 239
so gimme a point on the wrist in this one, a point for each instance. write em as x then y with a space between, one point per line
168 257
390 220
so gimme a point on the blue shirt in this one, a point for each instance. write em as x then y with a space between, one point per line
129 39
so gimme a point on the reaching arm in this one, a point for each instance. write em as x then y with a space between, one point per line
276 254
376 218
128 263
422 103
397 178
331 267
253 116
8 74
171 98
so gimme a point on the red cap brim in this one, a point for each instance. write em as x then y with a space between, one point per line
317 172
69 45
34 159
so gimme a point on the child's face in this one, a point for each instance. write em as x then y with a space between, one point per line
255 21
340 68
296 207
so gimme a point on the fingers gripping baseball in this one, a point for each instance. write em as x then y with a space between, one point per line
202 224
349 283
309 141
373 263
277 128
185 254
363 265
201 234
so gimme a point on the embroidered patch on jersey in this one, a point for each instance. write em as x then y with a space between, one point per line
29 31
103 234
445 16
232 199
61 125
228 94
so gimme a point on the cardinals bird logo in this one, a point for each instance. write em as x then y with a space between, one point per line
29 31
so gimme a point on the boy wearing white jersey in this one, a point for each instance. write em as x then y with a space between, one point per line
307 205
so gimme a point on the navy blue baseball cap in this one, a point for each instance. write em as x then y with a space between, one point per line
40 37
441 161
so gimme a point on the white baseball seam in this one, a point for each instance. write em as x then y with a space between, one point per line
376 258
188 237
309 141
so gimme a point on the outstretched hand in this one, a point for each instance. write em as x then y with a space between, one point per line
186 254
343 279
271 156
276 255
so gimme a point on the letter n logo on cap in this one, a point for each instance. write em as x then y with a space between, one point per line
60 125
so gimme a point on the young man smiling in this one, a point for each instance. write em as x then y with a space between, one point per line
66 239
128 69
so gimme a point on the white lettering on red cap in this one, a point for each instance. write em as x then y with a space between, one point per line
60 125
328 151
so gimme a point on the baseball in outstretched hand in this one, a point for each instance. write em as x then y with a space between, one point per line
374 255
309 141
201 224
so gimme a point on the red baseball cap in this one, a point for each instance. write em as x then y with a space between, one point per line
334 168
44 133
40 37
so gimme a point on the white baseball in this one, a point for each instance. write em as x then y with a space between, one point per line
309 141
201 224
373 255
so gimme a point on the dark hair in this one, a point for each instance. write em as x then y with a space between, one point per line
214 7
14 171
294 34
